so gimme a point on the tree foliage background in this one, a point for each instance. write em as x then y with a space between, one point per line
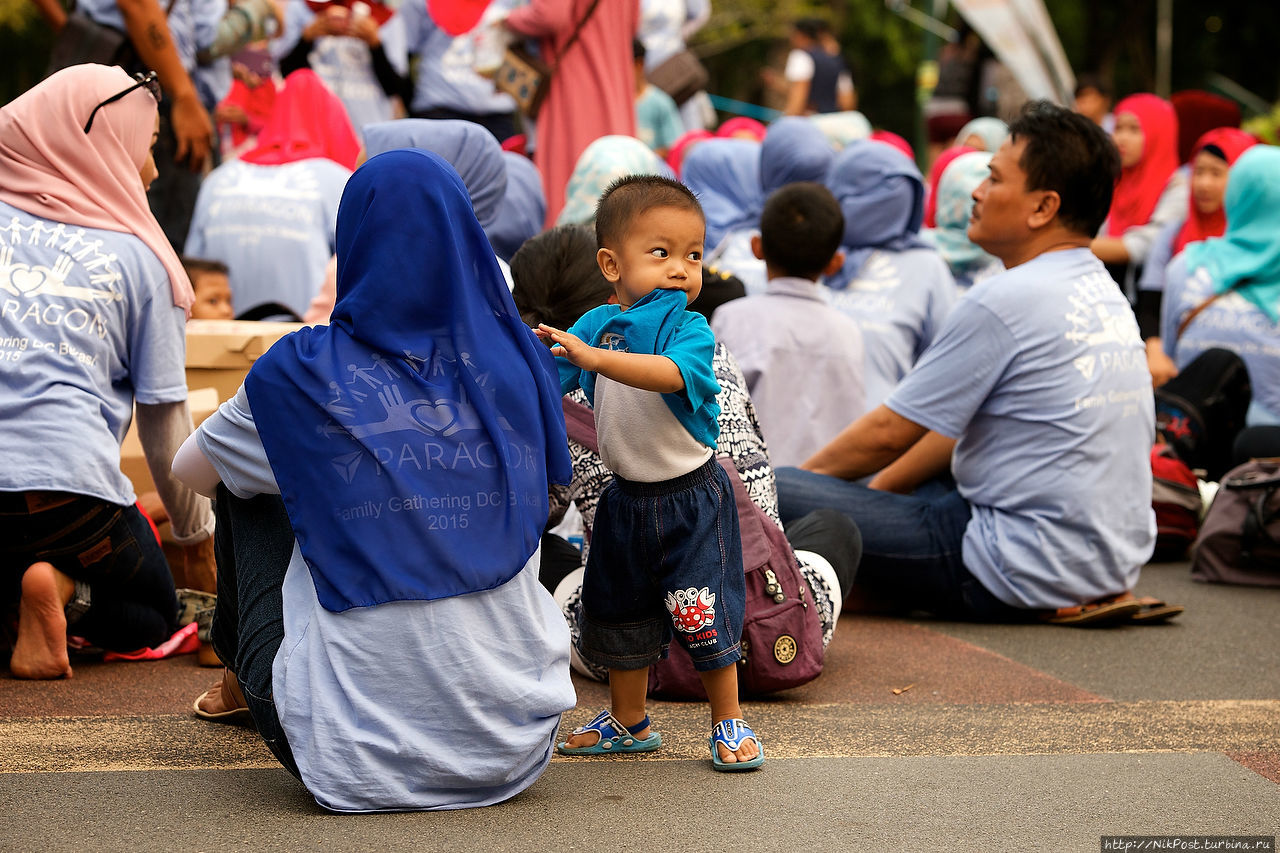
1231 38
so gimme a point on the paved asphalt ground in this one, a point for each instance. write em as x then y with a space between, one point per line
1008 738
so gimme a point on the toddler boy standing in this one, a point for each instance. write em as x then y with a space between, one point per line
665 549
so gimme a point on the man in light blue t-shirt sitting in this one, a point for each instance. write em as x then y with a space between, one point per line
1037 395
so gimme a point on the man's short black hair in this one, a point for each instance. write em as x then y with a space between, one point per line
631 195
637 49
199 265
1070 155
801 229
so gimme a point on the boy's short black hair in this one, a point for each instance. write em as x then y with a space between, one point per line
1070 155
810 27
801 229
199 265
637 49
1092 81
631 195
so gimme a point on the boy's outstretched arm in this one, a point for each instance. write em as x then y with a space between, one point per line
639 370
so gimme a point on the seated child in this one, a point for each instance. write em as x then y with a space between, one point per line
665 549
802 358
210 281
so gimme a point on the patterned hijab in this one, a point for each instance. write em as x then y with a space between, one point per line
602 163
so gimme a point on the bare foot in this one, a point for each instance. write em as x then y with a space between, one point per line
747 750
593 737
41 649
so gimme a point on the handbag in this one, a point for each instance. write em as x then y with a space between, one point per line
681 76
82 40
781 631
527 78
1239 541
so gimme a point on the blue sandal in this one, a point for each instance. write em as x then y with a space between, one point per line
614 737
732 733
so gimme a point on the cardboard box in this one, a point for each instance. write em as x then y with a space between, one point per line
202 402
220 352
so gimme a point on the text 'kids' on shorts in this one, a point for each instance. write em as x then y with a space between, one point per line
665 558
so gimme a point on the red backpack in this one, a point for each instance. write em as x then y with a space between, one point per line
781 634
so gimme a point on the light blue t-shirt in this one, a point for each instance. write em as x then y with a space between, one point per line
87 326
658 122
442 704
900 299
273 226
445 77
1231 322
344 64
1042 376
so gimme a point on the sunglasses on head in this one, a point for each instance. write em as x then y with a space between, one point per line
147 81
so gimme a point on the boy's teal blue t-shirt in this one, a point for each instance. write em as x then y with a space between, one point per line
658 324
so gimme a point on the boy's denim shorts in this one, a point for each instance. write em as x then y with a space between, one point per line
665 558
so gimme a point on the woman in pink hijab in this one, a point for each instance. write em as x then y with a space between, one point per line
93 303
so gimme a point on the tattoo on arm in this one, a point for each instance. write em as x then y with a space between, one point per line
157 37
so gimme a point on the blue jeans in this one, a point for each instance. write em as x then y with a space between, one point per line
109 548
911 544
665 558
253 542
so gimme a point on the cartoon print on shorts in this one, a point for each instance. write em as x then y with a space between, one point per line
691 609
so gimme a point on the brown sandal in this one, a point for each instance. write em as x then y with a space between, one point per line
227 694
1093 615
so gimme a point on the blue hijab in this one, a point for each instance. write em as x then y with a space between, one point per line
725 176
882 196
465 145
523 208
413 438
1247 256
793 150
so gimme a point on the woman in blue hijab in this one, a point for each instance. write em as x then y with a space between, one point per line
897 287
725 176
794 150
401 653
523 209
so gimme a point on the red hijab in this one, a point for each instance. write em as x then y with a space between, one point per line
1141 185
308 121
1199 226
935 177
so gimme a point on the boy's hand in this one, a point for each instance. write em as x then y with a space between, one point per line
579 353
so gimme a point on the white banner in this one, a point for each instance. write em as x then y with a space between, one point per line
1022 36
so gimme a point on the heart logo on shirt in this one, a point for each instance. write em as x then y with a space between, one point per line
27 280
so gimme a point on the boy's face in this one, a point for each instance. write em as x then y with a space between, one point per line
213 297
662 251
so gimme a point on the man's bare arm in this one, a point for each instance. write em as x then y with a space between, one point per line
148 29
866 445
928 458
